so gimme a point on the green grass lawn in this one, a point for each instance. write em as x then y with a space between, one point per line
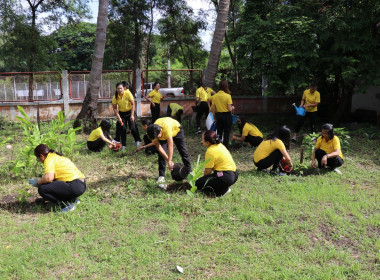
315 226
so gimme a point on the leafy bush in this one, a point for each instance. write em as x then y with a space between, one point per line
197 172
60 136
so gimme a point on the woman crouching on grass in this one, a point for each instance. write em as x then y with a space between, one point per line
327 150
272 150
220 170
248 133
62 181
99 137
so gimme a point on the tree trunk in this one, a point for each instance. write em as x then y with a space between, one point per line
89 107
217 43
344 108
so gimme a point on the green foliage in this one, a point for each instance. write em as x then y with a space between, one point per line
60 136
197 172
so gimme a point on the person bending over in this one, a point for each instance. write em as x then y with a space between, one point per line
149 146
327 150
175 111
272 150
220 169
62 181
164 133
248 133
100 136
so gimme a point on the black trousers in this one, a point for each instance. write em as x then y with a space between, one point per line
312 116
155 111
63 192
121 131
201 109
333 162
217 183
97 145
149 150
273 159
254 141
177 117
223 126
179 141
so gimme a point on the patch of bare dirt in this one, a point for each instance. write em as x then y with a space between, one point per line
178 187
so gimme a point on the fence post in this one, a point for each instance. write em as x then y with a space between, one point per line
65 92
138 92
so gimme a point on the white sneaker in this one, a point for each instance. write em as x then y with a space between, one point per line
138 144
123 148
228 191
337 170
160 179
162 186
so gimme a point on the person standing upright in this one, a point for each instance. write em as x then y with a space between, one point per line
202 95
310 100
155 97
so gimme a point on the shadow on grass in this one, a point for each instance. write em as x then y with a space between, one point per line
12 204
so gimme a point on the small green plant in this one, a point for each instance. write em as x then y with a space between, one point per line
197 172
23 196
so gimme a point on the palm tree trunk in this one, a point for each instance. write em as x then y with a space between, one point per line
90 103
217 43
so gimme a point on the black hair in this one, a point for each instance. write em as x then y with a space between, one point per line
283 133
243 121
153 131
211 136
106 125
116 93
313 85
155 83
223 85
145 122
43 149
125 84
330 129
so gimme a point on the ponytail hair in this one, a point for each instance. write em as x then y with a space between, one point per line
211 137
106 125
283 133
43 149
223 85
116 93
330 129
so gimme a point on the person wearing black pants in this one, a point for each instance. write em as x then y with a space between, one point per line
202 109
149 146
121 130
164 133
312 116
221 108
62 181
220 169
248 133
99 137
155 98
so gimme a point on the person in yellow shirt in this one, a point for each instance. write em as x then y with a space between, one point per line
149 146
164 133
175 111
62 181
155 98
327 150
99 137
221 109
202 96
248 133
123 105
220 170
271 151
310 100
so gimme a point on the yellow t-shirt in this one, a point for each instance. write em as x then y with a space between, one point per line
310 99
251 130
95 134
156 96
266 148
221 100
209 92
175 107
124 103
329 146
220 158
169 127
64 169
202 94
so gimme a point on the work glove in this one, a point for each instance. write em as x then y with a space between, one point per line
33 182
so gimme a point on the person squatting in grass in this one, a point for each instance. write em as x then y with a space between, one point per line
163 133
220 171
175 111
99 137
221 108
62 181
202 96
310 100
123 105
272 150
248 133
327 150
155 98
149 146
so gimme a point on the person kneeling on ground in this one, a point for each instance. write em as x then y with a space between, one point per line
327 149
272 150
163 133
249 133
62 181
149 146
100 136
175 111
220 162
